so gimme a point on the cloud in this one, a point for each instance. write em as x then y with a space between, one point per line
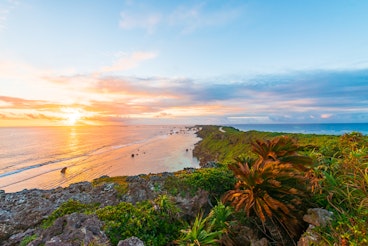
185 18
145 21
293 97
13 102
191 18
3 17
5 9
315 96
126 62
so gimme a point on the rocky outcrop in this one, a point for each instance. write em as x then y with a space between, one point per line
318 217
26 209
210 164
21 213
73 230
315 217
244 235
143 187
192 206
132 241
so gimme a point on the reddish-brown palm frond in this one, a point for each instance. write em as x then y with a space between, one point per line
270 187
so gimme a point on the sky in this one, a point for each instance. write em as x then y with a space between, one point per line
93 62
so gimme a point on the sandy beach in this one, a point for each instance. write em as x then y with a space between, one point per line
170 152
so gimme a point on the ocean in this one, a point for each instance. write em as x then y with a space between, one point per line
33 157
326 128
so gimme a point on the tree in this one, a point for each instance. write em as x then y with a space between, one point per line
273 187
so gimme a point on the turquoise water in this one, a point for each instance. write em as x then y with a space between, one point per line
326 128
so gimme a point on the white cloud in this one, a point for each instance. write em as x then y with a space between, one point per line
186 19
3 17
197 17
326 116
5 9
148 22
126 62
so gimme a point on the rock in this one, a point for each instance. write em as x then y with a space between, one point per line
243 235
63 170
189 169
16 239
74 229
210 164
315 217
192 206
318 217
23 212
26 209
132 241
136 178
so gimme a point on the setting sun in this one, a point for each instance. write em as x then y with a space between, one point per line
72 116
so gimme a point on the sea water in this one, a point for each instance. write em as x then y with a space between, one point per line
33 157
326 128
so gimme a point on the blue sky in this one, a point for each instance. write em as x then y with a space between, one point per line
194 62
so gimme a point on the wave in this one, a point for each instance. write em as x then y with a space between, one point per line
97 151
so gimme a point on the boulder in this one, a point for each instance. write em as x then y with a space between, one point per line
244 235
192 206
74 229
315 217
132 241
210 164
318 217
26 209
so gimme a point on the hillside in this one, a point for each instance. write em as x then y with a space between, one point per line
317 183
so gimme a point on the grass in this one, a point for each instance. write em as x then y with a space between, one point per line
120 183
339 174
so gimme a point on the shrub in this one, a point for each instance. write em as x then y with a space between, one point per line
344 187
69 207
210 230
273 187
215 180
155 223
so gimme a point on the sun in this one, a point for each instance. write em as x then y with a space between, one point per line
71 116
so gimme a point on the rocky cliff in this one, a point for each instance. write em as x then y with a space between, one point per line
22 213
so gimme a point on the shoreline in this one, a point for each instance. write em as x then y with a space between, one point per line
165 153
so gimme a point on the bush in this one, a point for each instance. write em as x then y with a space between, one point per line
214 180
69 207
344 189
155 223
210 230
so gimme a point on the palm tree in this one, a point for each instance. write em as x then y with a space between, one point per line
273 187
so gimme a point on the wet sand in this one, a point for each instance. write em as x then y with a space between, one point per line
165 153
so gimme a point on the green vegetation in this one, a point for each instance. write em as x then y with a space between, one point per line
27 240
344 185
69 207
214 180
210 230
265 181
337 177
156 223
120 183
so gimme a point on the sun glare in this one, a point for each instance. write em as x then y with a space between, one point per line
72 116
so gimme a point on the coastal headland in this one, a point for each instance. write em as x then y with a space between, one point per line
163 208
